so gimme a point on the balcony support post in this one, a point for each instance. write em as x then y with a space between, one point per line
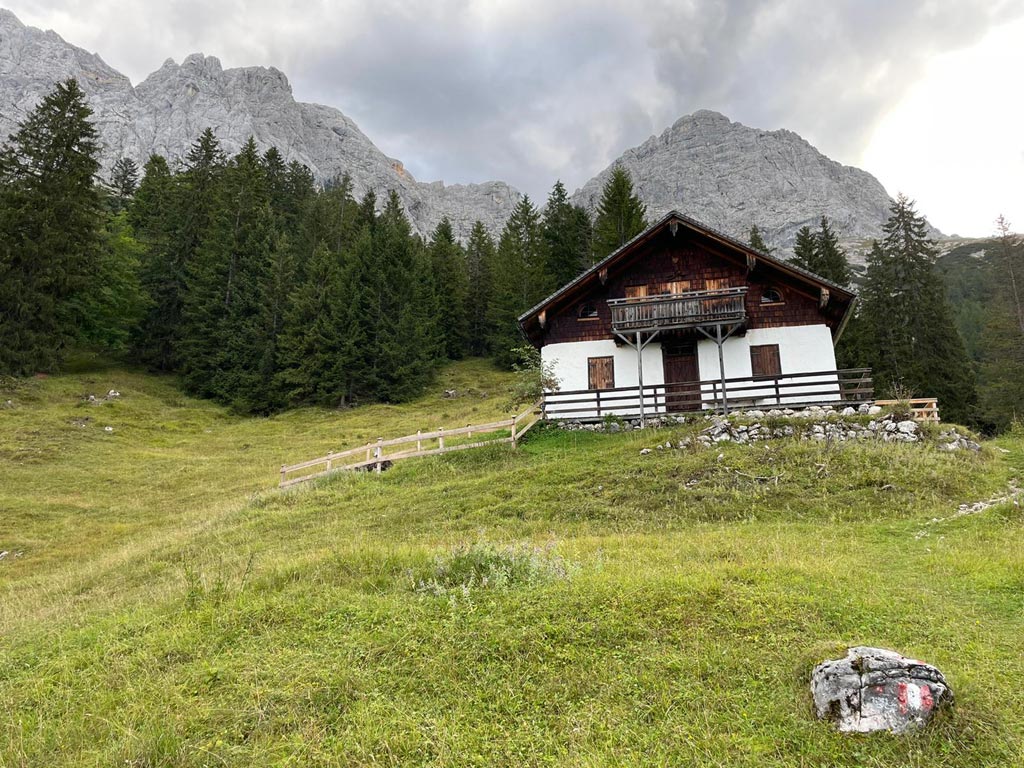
719 339
639 343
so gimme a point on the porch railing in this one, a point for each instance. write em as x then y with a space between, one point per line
679 310
851 386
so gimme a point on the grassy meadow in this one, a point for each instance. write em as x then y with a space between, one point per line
567 603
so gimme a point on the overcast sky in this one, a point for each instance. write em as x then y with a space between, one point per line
925 94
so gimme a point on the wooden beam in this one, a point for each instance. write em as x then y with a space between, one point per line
751 262
823 298
603 275
542 318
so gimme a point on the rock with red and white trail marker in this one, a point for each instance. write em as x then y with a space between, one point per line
874 689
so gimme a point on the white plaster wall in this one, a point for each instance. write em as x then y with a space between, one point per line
802 349
572 370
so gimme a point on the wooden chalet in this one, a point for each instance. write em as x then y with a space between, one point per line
685 318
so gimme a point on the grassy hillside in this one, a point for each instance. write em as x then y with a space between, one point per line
572 602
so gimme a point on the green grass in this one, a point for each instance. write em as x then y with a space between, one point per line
570 602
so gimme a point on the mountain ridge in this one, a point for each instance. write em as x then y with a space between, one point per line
720 172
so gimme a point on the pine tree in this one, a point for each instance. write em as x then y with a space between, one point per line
480 258
567 235
907 316
620 214
757 242
49 230
520 279
450 281
124 180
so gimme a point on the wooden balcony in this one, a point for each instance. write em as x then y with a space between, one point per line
679 310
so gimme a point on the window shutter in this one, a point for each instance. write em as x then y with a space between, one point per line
601 372
765 360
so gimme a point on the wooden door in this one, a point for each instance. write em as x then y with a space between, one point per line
601 372
682 374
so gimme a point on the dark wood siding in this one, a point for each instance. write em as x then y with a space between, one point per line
685 263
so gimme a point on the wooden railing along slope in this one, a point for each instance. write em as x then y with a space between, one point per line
923 408
373 455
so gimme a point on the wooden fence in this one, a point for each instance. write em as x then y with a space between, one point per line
374 455
846 387
923 408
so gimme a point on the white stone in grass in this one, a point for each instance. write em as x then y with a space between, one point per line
874 689
644 451
907 427
108 429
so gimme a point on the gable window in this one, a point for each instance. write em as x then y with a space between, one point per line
587 311
772 295
765 361
600 372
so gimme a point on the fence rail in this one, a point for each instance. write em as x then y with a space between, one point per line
373 455
841 387
923 408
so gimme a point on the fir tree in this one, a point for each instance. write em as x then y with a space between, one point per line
830 259
451 288
620 214
520 279
907 315
480 258
49 230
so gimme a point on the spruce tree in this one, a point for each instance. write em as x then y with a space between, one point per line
520 279
480 258
124 180
49 230
223 343
803 249
757 241
620 214
1001 376
830 259
915 345
450 282
567 235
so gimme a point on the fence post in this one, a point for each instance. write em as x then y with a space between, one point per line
330 457
515 443
419 445
469 431
598 403
378 453
440 438
778 396
284 474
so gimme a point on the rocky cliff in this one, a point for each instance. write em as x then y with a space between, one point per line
172 106
722 173
732 177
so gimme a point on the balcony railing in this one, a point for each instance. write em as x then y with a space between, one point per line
679 310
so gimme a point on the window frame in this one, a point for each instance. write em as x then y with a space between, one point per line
759 357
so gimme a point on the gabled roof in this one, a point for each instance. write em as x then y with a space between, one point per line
730 242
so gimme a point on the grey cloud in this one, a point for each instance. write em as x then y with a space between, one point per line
530 92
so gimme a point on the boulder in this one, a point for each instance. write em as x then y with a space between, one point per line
874 689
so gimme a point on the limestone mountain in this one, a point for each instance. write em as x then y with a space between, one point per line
172 106
732 177
720 172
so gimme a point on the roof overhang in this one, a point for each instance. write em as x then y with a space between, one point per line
532 325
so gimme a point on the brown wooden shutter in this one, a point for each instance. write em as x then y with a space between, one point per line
601 372
765 360
636 291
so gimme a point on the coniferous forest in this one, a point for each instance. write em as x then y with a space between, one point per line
262 289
